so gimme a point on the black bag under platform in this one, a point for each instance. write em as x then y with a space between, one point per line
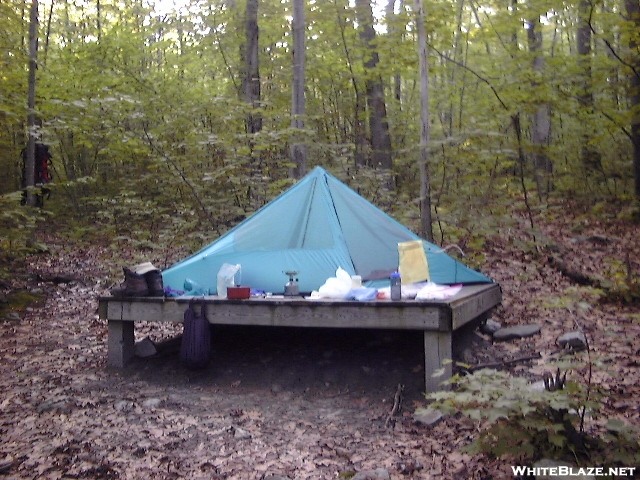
195 350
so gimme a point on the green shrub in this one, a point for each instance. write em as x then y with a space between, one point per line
529 423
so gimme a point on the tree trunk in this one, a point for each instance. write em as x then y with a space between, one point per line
251 82
359 137
590 157
378 124
541 122
448 118
98 21
298 151
48 32
423 162
394 32
633 12
30 161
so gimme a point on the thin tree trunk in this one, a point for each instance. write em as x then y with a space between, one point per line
30 163
298 151
591 158
633 12
449 120
251 82
359 137
99 22
378 124
394 32
423 162
48 32
541 122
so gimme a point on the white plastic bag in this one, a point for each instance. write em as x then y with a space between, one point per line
433 291
336 287
228 276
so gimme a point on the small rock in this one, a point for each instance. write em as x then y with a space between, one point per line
240 433
123 405
274 476
573 341
13 316
427 416
537 386
408 465
145 348
377 474
151 403
518 331
490 327
61 406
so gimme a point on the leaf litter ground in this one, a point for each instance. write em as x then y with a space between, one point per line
303 404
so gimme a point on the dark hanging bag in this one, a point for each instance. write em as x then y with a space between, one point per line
195 351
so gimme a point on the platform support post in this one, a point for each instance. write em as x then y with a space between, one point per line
437 356
121 343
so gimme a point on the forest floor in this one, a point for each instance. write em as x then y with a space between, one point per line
300 404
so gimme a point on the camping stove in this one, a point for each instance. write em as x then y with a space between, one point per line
291 287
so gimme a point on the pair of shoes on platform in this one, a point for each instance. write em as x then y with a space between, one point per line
143 280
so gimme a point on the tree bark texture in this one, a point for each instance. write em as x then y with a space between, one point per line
298 151
30 163
394 31
251 82
633 12
423 162
378 123
359 137
541 120
590 157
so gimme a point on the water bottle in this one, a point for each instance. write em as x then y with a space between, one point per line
193 288
396 286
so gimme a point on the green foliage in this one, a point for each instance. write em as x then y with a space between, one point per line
520 421
519 417
17 226
575 299
17 222
16 301
146 123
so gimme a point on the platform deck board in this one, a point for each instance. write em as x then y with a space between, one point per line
438 319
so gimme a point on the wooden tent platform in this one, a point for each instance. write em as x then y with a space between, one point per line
437 319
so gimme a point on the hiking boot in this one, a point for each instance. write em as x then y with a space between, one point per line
154 283
134 285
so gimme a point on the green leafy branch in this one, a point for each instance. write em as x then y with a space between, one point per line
517 419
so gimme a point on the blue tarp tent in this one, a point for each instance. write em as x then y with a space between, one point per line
316 226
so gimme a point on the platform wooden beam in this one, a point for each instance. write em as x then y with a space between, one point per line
121 343
437 359
437 319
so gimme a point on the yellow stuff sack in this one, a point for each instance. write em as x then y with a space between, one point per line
413 262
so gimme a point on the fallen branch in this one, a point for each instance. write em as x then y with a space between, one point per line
578 277
397 404
57 278
503 363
